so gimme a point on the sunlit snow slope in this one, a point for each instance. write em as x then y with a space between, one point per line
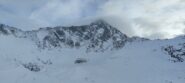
23 59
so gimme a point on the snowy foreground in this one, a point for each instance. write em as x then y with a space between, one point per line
136 62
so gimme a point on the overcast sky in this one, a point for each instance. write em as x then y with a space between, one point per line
145 18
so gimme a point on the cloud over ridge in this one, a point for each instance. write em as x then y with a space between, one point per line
145 18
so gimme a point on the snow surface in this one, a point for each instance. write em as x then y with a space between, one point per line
136 62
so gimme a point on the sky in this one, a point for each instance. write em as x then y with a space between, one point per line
144 18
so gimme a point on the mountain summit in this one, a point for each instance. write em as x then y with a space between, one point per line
97 36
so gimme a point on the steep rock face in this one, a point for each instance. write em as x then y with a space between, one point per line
97 36
7 30
176 51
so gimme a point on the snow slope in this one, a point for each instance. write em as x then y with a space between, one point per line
139 61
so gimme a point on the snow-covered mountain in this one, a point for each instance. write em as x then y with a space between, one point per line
98 36
94 53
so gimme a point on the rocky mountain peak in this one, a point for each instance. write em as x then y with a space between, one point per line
8 30
97 36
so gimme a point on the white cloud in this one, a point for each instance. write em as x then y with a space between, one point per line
64 12
145 18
